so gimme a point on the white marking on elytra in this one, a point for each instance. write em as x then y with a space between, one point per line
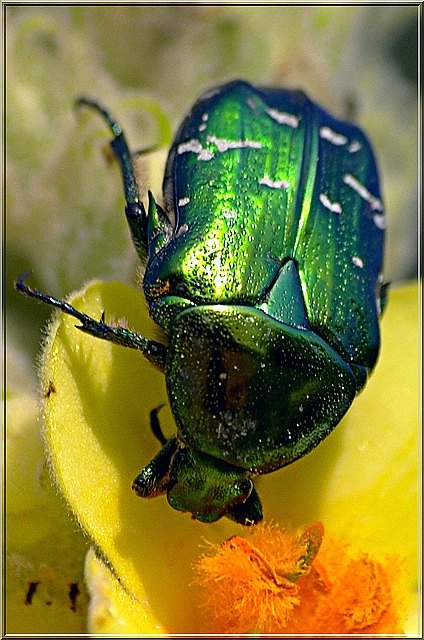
378 305
335 138
183 201
339 139
192 145
205 118
380 220
283 118
274 184
229 214
181 230
357 261
223 145
363 193
354 146
205 154
334 207
251 103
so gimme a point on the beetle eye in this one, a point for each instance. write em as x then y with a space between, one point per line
245 487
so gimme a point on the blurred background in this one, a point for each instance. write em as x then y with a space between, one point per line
64 205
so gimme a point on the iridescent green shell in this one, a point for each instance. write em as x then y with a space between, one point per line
260 177
264 272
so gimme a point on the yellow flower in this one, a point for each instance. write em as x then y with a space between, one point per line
68 231
43 594
361 482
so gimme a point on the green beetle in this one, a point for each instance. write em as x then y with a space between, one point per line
263 267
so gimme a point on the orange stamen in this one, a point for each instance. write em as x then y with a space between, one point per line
278 582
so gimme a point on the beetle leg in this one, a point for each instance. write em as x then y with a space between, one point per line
134 210
154 351
154 479
155 425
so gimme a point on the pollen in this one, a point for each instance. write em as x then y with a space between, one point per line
275 581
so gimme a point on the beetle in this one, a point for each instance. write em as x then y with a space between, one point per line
263 268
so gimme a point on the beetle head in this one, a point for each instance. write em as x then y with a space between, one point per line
201 484
209 488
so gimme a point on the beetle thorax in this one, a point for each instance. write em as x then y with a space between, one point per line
251 391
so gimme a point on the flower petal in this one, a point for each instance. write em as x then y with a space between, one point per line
99 437
97 427
112 609
44 586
